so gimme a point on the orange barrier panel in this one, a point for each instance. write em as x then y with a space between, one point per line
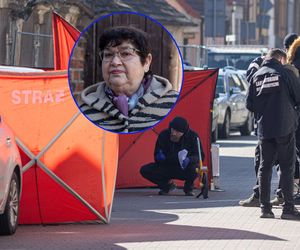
64 38
69 164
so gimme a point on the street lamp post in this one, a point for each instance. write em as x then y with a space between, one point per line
233 22
215 22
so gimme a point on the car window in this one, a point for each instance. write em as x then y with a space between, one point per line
231 82
239 60
220 85
243 81
238 82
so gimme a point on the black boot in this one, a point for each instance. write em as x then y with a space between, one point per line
290 214
170 187
266 211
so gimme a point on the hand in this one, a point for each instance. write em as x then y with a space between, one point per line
185 162
160 156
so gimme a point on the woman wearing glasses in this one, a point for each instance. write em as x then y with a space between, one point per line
131 98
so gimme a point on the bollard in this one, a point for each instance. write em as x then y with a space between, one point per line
215 181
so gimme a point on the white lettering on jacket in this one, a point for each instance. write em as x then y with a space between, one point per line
28 96
267 79
268 82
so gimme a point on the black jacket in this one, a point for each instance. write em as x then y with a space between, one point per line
170 149
273 94
253 67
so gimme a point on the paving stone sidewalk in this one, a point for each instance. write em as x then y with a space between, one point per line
141 219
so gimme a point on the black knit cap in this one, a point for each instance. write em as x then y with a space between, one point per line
289 39
180 124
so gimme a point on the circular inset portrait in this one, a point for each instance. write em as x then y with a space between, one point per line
125 72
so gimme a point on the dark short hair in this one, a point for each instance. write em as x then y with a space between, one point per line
276 53
114 36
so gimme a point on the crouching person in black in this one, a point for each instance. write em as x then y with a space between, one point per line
176 157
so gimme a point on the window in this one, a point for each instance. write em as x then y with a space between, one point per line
239 60
231 82
220 85
238 82
243 81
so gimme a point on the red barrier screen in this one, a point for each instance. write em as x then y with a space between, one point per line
195 104
69 164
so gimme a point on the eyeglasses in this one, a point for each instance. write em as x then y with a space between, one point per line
125 54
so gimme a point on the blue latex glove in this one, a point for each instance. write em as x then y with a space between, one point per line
185 162
160 156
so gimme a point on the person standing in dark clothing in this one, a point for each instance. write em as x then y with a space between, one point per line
176 157
253 200
273 94
293 58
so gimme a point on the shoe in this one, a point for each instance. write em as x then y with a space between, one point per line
189 193
296 189
163 192
171 187
290 214
268 214
277 201
252 201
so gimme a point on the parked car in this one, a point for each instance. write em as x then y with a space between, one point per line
235 56
214 121
231 90
10 181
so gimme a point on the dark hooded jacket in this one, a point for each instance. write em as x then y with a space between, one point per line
273 94
170 149
253 67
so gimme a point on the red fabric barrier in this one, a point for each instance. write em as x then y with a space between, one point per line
64 38
69 164
195 104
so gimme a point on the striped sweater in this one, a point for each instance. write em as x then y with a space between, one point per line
151 108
